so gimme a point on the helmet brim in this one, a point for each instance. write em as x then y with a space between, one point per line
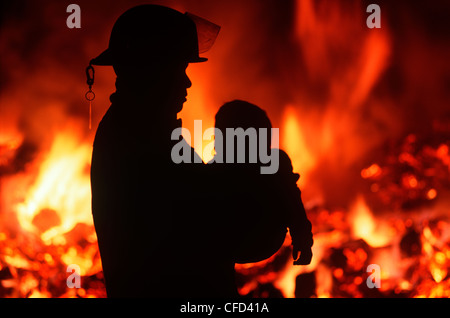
106 59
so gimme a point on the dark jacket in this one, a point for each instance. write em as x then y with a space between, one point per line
148 212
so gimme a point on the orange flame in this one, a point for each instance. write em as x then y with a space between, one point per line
364 225
62 185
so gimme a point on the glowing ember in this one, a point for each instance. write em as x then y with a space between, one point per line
373 171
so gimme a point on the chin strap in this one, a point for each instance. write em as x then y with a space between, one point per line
90 95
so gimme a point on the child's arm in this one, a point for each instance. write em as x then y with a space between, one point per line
300 230
298 223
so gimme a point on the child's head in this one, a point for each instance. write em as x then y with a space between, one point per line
249 117
239 113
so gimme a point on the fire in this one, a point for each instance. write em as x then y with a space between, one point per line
364 225
62 185
294 143
360 114
372 171
55 230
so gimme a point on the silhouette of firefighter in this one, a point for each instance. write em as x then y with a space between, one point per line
147 210
258 208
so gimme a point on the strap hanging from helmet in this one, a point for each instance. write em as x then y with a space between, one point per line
90 95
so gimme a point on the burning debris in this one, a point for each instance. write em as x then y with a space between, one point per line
43 231
411 246
42 234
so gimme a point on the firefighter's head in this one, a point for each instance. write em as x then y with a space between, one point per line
151 34
151 46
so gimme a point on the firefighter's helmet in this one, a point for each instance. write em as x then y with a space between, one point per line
156 33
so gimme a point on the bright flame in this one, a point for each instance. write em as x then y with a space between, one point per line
373 62
62 185
364 225
293 142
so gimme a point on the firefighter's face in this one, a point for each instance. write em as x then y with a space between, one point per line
178 82
165 82
169 82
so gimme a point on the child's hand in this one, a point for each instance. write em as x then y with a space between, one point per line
305 256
